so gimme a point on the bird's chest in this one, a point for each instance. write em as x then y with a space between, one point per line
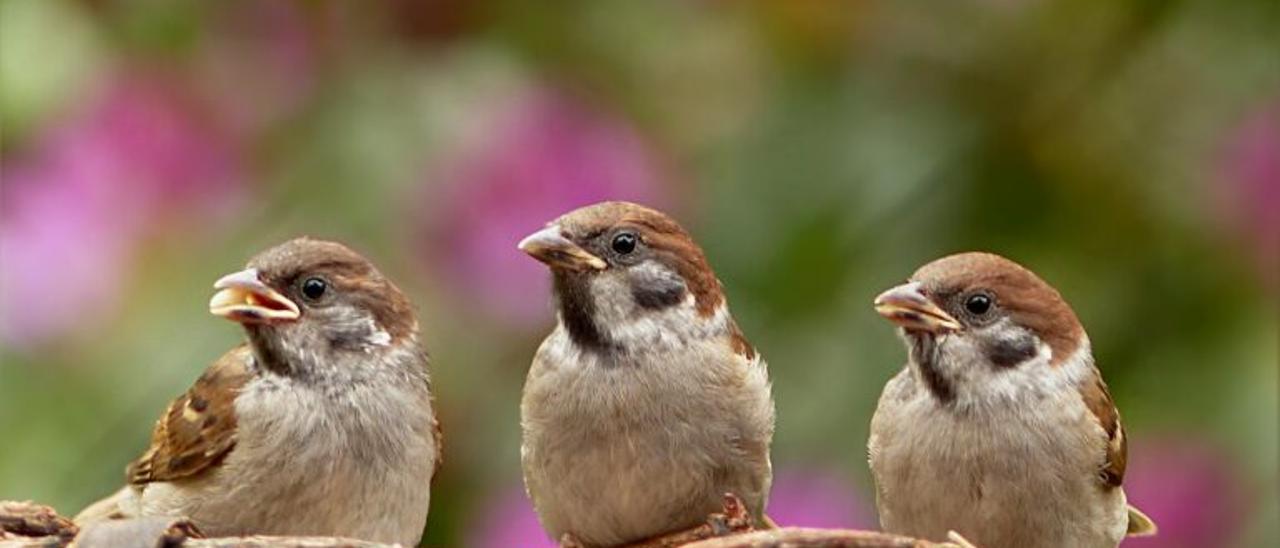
626 451
356 464
1014 477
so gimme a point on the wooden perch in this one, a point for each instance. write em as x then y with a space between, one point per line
734 528
30 525
798 537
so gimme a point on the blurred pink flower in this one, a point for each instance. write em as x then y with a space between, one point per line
508 521
544 156
1189 489
816 497
1251 167
75 204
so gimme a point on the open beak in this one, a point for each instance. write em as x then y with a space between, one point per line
242 297
907 306
551 247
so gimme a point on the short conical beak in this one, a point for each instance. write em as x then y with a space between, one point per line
243 298
908 306
550 246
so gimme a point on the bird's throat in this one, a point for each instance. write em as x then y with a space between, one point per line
577 311
926 356
268 350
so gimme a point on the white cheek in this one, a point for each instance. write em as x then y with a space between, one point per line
979 383
380 337
375 335
619 317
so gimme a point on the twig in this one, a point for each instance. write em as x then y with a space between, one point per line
807 537
30 525
35 524
733 519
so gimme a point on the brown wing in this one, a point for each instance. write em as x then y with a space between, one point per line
1098 400
199 427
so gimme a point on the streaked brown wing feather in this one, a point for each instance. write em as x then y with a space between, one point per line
1098 399
199 427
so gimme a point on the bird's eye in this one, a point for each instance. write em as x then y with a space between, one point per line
977 304
624 243
314 288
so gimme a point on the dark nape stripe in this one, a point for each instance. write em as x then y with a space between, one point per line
925 353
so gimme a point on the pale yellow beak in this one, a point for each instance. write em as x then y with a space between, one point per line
907 306
243 298
551 247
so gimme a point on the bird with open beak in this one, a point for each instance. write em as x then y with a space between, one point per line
999 427
645 404
321 425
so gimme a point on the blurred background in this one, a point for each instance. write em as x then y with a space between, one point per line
1128 151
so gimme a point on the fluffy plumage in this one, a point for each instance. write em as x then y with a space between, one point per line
1000 426
645 404
321 425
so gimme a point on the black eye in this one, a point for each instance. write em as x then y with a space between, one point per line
624 243
314 288
977 304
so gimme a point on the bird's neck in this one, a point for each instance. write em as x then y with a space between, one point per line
984 373
306 360
646 331
269 352
926 361
577 312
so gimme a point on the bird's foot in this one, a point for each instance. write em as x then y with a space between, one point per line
733 518
567 540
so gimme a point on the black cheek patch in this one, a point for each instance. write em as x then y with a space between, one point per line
1007 353
653 293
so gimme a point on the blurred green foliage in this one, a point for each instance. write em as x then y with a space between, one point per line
819 151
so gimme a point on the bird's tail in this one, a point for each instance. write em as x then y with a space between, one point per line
120 505
1139 524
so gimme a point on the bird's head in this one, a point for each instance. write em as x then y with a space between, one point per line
626 275
308 304
978 324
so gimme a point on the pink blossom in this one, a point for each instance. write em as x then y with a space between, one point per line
508 521
1189 489
818 497
76 203
547 154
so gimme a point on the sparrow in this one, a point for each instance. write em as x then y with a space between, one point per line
321 424
646 404
1000 426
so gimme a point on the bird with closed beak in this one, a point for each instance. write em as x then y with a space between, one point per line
1000 426
645 405
322 424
